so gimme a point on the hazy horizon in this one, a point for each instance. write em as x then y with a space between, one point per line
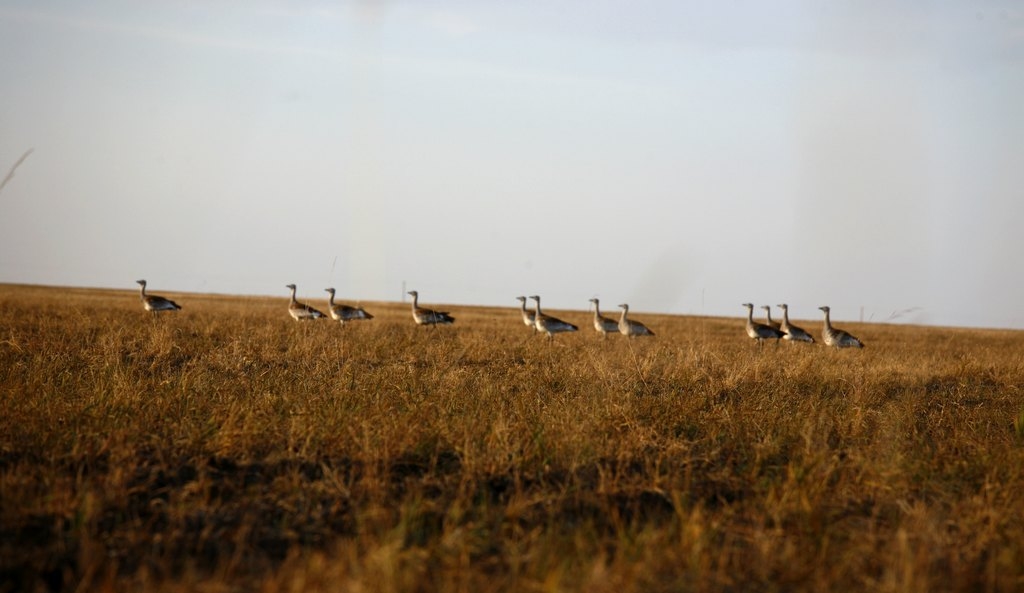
683 158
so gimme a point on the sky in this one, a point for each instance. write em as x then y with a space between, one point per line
684 157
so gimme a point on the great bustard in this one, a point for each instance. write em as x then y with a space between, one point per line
528 316
428 316
344 313
837 337
300 311
154 303
548 324
629 327
602 324
793 333
759 331
768 318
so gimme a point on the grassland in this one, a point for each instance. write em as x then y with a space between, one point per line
228 448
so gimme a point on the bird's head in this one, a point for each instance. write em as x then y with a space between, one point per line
825 308
291 286
413 293
624 306
521 299
330 290
783 306
141 282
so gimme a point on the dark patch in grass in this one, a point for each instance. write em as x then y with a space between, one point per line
36 550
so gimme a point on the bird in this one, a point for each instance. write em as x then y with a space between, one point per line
548 324
528 316
428 316
759 331
602 324
154 303
629 327
768 318
301 311
344 313
837 337
793 333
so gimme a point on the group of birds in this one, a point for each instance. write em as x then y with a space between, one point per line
422 316
549 325
341 313
785 330
297 310
543 322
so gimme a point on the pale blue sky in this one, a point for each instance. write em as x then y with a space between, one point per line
684 157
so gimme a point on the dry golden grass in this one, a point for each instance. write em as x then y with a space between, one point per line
228 448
